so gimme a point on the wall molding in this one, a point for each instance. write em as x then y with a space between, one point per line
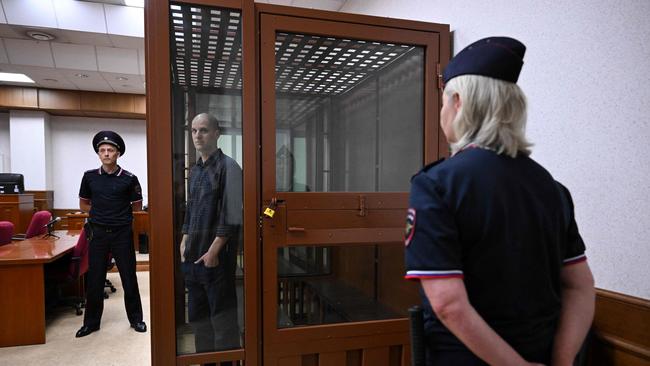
621 330
73 102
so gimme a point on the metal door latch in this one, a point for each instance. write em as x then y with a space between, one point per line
362 206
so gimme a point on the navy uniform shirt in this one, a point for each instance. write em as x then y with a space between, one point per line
214 204
504 226
110 195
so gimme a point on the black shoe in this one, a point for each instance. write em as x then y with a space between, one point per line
85 330
139 327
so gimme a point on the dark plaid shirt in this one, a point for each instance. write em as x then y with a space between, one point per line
214 204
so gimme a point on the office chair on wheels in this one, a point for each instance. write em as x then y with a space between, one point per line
107 283
71 272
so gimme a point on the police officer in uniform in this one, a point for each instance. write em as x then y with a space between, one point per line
490 235
110 194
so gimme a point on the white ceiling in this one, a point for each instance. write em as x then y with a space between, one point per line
98 46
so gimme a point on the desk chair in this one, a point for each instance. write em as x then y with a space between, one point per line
6 232
36 226
71 272
107 283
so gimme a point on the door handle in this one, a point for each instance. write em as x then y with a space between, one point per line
294 229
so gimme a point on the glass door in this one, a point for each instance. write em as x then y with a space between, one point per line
207 172
349 114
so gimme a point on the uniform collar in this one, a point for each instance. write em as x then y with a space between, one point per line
469 146
211 159
117 173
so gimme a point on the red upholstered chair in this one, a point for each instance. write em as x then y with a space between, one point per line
6 232
70 273
37 225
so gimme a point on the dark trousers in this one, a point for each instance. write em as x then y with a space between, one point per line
212 306
465 357
117 240
456 357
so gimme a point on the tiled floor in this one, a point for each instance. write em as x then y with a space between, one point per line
114 344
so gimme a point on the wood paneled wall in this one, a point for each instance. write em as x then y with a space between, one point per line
62 213
43 200
74 103
621 331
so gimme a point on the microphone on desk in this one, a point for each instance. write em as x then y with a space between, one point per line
52 222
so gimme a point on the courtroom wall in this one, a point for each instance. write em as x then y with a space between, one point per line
587 78
5 148
73 153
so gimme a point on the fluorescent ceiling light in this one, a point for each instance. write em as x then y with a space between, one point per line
16 78
136 3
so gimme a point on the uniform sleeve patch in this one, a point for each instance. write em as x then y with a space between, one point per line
410 226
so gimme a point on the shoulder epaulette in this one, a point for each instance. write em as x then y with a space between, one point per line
428 167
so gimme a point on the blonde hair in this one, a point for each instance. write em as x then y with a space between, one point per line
492 115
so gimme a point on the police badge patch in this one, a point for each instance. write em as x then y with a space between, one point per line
410 226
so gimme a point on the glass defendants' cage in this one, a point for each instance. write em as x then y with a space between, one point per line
325 116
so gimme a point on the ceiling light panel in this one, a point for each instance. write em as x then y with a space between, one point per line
328 66
135 3
15 78
206 52
206 46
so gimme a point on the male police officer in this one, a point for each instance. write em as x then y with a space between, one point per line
110 194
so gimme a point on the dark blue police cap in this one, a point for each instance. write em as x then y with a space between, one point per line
496 57
109 137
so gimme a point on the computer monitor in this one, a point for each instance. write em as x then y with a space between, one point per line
11 183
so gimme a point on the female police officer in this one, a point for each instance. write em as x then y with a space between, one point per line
490 234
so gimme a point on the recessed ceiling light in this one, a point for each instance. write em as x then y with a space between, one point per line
126 86
51 80
15 78
136 3
40 36
121 78
79 75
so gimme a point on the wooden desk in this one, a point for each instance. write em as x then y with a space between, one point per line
17 208
140 224
22 287
76 221
43 200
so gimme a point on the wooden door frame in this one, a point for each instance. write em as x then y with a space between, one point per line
159 142
435 39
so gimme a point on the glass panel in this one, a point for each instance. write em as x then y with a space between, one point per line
337 284
207 171
349 114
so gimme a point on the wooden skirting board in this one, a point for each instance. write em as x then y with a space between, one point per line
621 330
140 266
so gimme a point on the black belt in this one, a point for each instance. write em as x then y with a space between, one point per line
108 228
